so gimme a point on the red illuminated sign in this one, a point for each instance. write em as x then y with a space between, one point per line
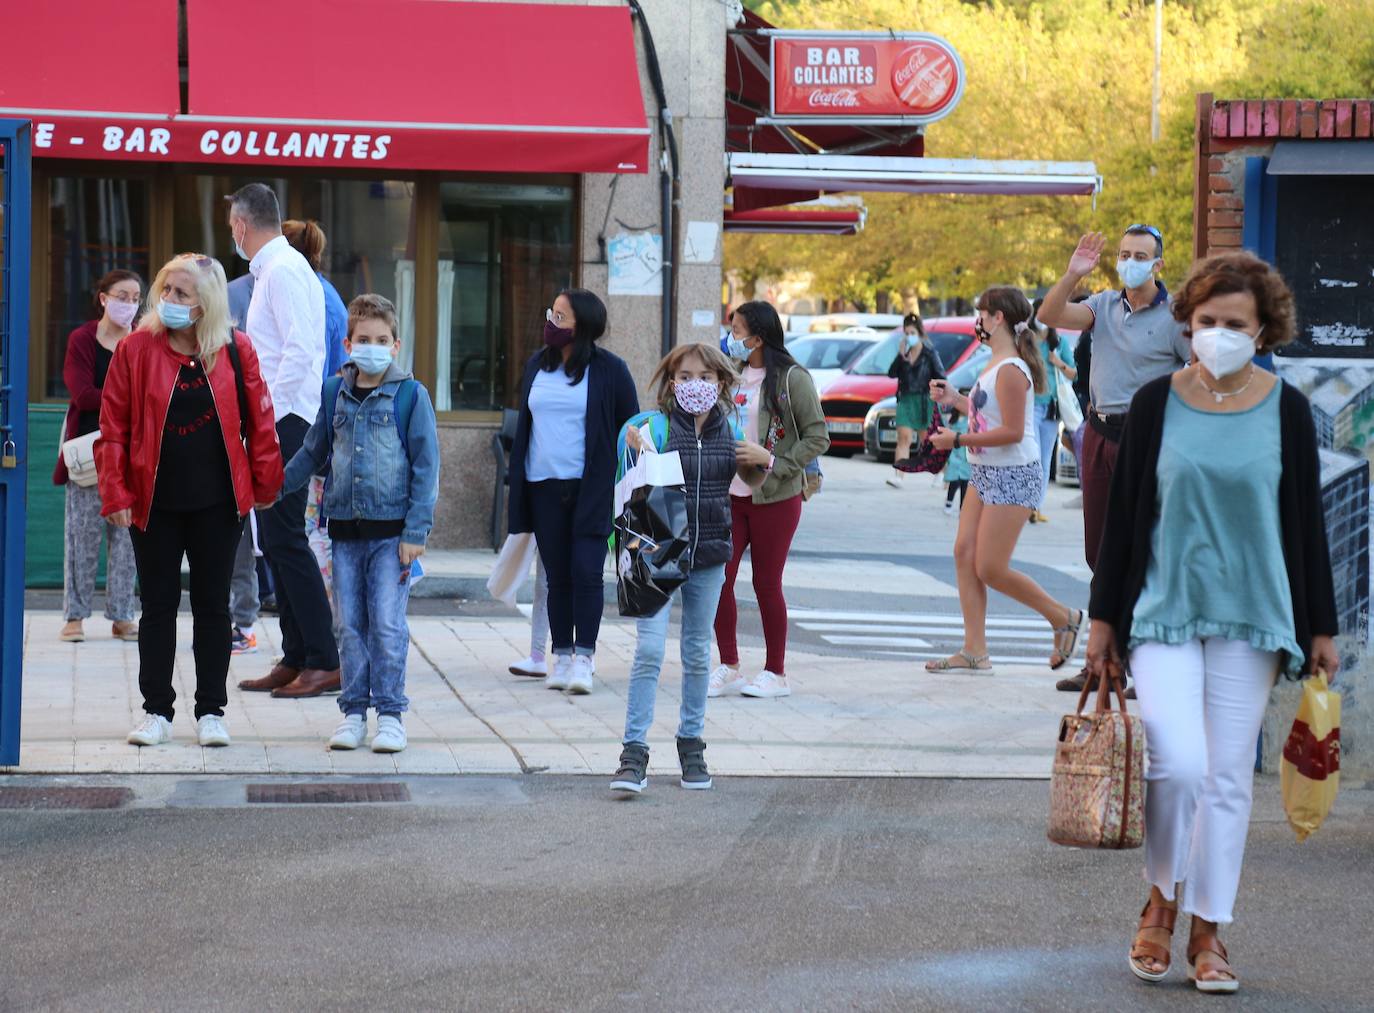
864 77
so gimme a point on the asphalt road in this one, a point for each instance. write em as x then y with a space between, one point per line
543 893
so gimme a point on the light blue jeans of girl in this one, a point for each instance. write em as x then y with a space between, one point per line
700 595
1047 430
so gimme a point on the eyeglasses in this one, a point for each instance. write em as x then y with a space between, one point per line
1149 229
201 259
554 317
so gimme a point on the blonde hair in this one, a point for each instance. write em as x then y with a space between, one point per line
711 357
214 326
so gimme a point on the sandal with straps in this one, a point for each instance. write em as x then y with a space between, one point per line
1207 942
976 663
1072 629
1152 917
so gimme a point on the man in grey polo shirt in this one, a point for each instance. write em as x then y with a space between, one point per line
1135 340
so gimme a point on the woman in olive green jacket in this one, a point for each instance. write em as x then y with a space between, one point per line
784 430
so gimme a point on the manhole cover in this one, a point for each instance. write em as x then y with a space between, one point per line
379 791
64 798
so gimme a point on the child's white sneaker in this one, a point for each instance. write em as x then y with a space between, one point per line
725 680
211 731
153 730
580 678
528 666
351 733
391 735
767 685
562 672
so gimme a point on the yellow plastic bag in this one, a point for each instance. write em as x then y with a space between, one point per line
1311 768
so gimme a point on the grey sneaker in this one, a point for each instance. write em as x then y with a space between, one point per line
633 775
691 755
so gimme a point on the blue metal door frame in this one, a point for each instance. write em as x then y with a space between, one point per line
15 211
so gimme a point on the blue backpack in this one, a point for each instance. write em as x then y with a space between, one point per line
405 406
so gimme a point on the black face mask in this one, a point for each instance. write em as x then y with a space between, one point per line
980 331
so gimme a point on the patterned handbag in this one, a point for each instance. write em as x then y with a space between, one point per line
925 457
1097 790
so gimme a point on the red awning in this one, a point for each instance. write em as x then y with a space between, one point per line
58 67
375 84
796 221
497 87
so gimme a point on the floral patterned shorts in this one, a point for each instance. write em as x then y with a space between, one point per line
1009 485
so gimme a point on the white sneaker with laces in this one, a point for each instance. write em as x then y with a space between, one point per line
351 733
580 678
725 680
391 735
153 730
211 731
767 685
528 666
562 672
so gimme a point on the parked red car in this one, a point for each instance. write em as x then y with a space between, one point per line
847 400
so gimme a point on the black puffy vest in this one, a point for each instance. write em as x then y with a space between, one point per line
708 467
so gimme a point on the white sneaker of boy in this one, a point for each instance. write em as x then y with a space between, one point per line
351 733
153 730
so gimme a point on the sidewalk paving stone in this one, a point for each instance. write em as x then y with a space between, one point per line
846 716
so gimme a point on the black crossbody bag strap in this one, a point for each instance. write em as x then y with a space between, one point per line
238 386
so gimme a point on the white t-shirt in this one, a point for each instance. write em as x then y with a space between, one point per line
747 396
986 414
558 436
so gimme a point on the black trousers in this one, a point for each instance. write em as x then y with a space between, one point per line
961 487
307 626
209 540
573 564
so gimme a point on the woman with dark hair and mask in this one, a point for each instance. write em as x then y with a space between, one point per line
574 397
784 431
1004 464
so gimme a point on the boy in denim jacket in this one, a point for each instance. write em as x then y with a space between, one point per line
376 439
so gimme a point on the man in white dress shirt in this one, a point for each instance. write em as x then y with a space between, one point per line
286 324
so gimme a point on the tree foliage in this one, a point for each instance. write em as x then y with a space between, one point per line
1067 80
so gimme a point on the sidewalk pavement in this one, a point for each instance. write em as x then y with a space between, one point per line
469 715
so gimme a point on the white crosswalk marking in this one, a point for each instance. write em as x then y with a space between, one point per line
1014 640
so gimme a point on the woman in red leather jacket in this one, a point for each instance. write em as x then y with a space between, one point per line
181 464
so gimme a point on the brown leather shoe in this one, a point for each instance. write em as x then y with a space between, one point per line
280 676
311 682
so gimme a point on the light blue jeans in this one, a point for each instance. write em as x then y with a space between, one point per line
1048 432
375 637
700 595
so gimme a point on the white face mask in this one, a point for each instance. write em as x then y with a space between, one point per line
1223 351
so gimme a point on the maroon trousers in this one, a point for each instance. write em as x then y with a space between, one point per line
1095 477
766 530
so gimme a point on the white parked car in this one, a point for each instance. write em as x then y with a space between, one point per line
826 356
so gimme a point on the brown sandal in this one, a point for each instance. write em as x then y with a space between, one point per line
1066 640
1207 942
1152 917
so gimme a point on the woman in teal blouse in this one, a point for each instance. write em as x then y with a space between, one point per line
1213 578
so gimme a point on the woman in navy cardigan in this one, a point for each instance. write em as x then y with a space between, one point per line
574 397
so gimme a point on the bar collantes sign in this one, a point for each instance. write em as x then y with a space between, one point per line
863 77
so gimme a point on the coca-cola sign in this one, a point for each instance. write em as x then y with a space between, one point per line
864 77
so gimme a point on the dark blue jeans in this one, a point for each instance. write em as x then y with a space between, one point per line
574 564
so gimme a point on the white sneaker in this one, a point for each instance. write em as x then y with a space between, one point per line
766 685
154 730
211 731
391 735
580 679
725 680
562 672
949 509
351 733
528 666
895 480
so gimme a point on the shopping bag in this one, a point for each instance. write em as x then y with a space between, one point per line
925 457
1070 411
512 567
1310 771
1097 789
653 557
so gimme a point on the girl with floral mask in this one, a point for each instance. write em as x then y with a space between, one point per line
90 350
697 418
1213 579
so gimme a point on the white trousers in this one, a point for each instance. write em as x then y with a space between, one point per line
1202 704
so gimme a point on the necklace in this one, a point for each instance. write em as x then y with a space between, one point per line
1221 395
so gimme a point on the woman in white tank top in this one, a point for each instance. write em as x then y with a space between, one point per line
1004 457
